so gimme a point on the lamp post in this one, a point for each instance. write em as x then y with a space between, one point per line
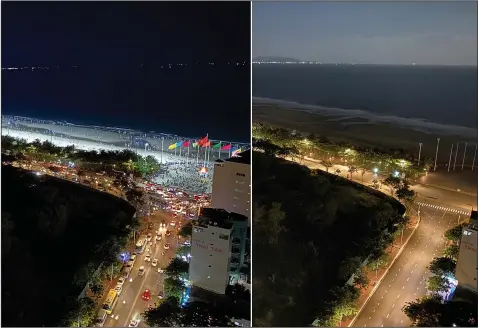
464 154
456 155
436 154
419 152
473 165
449 161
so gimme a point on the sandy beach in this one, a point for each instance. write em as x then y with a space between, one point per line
361 132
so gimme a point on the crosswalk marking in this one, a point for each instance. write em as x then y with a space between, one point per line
451 210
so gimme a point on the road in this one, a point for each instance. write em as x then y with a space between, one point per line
441 209
151 280
406 279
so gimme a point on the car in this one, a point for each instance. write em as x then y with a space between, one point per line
150 225
133 323
128 267
150 243
172 223
155 262
147 257
141 271
146 295
121 281
119 289
159 237
166 246
149 237
168 233
160 295
133 257
160 270
163 224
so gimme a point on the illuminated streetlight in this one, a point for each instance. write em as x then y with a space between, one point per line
375 170
396 174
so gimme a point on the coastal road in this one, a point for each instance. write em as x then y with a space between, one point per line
151 280
406 279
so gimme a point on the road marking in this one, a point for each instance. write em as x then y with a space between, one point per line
403 287
408 279
443 208
398 296
378 303
387 317
393 305
369 318
373 310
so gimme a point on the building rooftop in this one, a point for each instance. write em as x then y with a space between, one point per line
242 158
219 217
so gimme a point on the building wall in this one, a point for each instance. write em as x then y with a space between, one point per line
466 268
210 254
231 188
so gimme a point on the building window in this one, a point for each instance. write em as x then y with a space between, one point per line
225 237
241 174
238 190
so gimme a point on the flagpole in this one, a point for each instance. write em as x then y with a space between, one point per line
162 146
188 151
197 153
175 148
219 152
230 149
180 147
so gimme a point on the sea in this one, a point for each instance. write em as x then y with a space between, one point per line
432 99
187 101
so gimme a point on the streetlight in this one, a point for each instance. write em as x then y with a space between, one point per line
473 165
419 152
456 155
449 161
464 153
436 154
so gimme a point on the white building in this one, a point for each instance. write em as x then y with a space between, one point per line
467 267
216 251
231 186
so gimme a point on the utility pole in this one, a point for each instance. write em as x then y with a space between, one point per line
473 165
456 155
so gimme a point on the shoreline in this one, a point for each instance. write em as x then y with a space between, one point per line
340 114
362 132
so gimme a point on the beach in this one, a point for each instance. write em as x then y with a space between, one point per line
364 132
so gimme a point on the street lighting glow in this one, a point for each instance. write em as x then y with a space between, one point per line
396 174
375 170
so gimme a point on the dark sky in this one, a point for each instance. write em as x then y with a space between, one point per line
109 41
434 33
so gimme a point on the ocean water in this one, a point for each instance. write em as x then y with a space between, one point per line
428 99
185 101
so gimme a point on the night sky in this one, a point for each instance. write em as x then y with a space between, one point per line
123 51
430 33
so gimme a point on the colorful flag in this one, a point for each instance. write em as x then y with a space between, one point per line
202 141
216 145
172 146
195 144
178 144
235 152
207 144
226 147
186 143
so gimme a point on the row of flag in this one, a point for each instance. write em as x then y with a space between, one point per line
205 142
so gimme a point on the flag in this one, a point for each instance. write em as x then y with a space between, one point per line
216 145
235 152
172 146
207 144
178 144
226 147
202 141
195 144
186 143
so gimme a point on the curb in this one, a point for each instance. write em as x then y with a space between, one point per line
384 275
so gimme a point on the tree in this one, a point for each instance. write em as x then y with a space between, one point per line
361 279
327 164
454 234
438 284
83 313
442 266
183 250
186 230
405 194
174 287
425 312
452 251
177 268
362 172
167 314
352 170
377 263
268 222
393 182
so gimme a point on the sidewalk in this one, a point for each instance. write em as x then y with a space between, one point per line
393 251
